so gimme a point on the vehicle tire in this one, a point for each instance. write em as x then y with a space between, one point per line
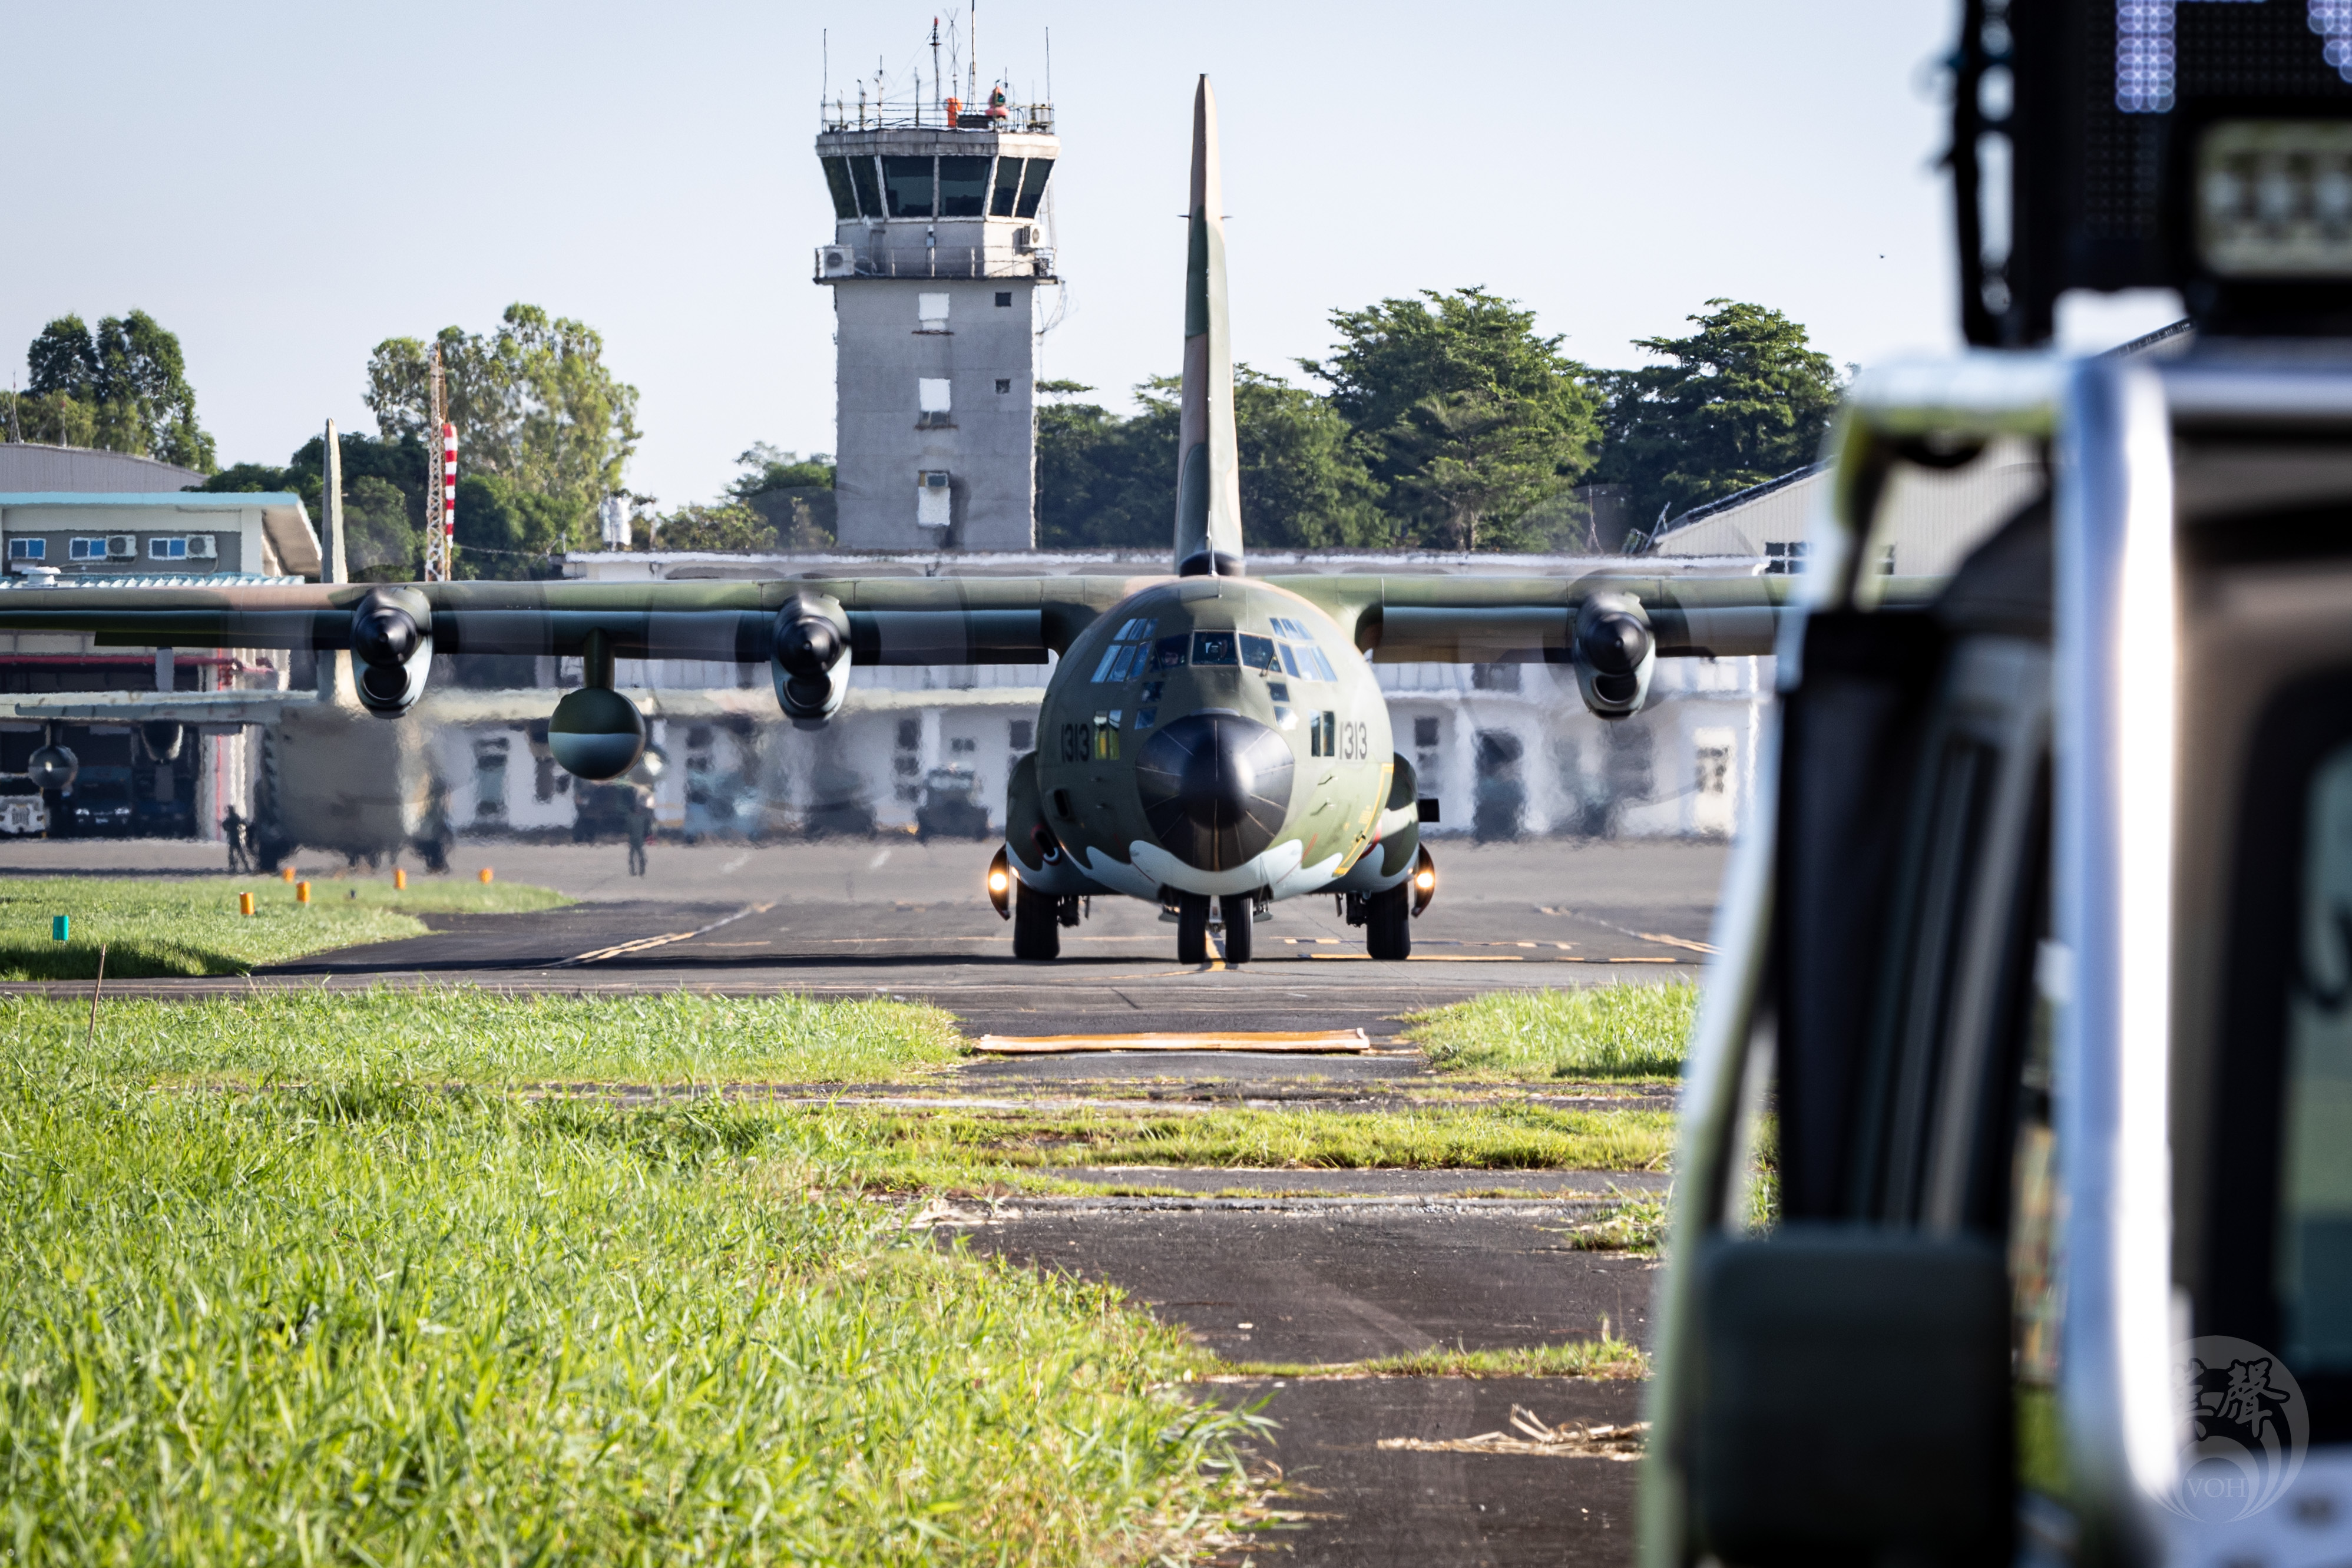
1192 928
1037 923
1241 918
1388 923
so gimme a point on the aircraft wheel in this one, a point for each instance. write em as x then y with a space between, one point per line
1240 916
1037 923
1193 928
1388 923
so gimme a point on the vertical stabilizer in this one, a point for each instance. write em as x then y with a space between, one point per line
1208 463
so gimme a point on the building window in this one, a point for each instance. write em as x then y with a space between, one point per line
931 395
1033 187
1004 299
963 186
1004 383
167 550
906 765
87 550
490 778
906 186
1023 734
1784 559
931 313
836 180
1008 191
934 498
869 189
30 549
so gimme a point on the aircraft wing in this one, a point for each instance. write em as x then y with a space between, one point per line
153 707
1502 620
901 620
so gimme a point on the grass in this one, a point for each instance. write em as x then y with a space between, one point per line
461 1034
373 1322
1621 1031
965 1152
1607 1356
191 926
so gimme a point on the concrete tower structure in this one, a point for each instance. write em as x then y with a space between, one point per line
939 247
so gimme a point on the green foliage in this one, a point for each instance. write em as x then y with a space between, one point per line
384 498
1469 417
731 527
1607 1356
192 927
1604 1031
538 416
791 494
122 389
1744 399
386 1324
1107 482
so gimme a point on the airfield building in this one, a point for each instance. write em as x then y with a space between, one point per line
939 247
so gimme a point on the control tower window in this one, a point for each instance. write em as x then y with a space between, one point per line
963 186
1033 187
869 189
907 182
1008 187
836 180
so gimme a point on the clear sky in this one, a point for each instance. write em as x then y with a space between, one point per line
285 185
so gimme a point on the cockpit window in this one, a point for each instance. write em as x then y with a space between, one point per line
1168 653
1213 647
1258 653
1126 655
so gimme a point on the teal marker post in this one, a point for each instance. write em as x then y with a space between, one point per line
61 927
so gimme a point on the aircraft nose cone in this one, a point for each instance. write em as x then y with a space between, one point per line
1215 787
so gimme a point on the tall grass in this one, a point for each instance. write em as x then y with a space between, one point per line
191 925
464 1035
1606 1031
371 1323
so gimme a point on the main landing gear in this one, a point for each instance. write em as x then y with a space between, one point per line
1038 918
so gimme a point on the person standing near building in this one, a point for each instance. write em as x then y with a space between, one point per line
240 850
639 821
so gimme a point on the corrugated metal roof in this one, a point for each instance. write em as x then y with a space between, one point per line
157 580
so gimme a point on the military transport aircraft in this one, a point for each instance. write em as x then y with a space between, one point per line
1209 741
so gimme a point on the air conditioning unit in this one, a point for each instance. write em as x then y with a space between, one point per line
1044 261
122 547
934 506
202 548
1024 238
836 261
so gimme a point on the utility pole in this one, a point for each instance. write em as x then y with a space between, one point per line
441 488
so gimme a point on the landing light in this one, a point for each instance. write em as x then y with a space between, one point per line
1425 881
1000 883
997 882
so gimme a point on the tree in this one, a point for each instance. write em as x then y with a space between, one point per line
384 498
535 408
1105 481
1744 399
1466 415
729 527
793 494
124 389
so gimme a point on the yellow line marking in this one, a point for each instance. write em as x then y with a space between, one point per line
1223 1040
1674 942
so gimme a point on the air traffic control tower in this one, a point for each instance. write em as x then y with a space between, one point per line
939 248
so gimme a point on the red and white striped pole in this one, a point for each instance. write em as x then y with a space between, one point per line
449 488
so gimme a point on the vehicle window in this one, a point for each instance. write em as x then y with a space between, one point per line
1258 652
2313 1271
1168 653
1290 661
1213 647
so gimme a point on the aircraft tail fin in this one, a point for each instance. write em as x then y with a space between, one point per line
1208 461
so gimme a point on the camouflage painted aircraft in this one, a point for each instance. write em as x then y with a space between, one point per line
1211 742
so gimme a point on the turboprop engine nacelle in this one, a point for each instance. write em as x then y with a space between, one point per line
810 661
392 648
1615 653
